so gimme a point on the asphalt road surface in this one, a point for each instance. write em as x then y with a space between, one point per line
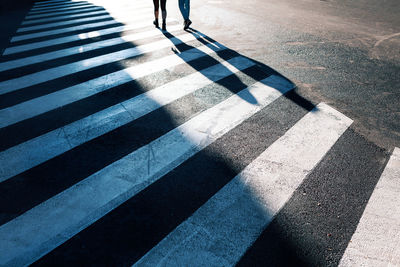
267 134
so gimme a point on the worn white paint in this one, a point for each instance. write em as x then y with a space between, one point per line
46 226
37 12
12 64
83 36
25 156
75 67
376 241
220 231
74 16
61 13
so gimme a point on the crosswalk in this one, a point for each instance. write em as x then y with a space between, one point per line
126 145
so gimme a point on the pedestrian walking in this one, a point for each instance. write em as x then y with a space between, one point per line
157 4
184 6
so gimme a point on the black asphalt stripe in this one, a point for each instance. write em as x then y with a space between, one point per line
27 93
60 117
36 185
129 231
317 223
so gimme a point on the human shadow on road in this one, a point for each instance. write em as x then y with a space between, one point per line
281 84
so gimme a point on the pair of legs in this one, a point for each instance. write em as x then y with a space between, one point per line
184 6
157 4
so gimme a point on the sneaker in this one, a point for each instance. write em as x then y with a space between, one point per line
155 22
187 24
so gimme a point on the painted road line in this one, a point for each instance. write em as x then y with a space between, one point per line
78 37
60 16
40 105
12 64
48 225
50 3
376 241
64 5
75 67
55 11
63 23
19 158
74 16
65 30
48 10
221 231
62 13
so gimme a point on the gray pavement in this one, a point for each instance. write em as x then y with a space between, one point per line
265 135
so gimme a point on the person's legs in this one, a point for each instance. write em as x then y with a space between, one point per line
156 7
164 14
187 20
182 7
187 6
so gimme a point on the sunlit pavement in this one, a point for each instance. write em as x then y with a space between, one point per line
256 137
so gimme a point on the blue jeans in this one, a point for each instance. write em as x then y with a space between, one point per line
184 6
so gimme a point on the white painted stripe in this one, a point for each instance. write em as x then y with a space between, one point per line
100 12
20 158
12 64
69 7
57 72
46 226
221 231
63 23
376 241
78 37
72 29
69 95
62 13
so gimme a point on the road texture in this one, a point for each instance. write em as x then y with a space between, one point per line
265 135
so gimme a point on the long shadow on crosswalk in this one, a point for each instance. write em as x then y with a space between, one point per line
128 231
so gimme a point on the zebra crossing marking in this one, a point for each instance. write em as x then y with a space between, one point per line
74 16
20 158
377 237
221 231
49 2
77 92
112 12
61 13
48 9
78 37
41 229
65 30
75 67
63 23
12 64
